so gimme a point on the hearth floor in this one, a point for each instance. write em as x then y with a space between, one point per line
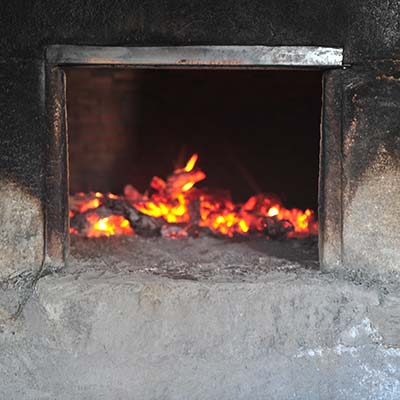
205 258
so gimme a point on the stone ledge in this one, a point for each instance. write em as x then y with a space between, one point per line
99 335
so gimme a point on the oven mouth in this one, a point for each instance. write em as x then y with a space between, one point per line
208 158
256 59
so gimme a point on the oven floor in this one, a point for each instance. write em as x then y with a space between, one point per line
204 258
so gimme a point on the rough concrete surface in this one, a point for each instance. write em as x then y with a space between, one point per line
371 169
21 240
22 142
89 333
367 29
201 259
360 170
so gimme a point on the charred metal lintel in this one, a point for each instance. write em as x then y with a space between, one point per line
214 56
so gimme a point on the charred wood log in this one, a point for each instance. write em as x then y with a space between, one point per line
80 222
275 228
142 224
182 181
194 210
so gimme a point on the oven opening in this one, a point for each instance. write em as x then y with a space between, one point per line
193 165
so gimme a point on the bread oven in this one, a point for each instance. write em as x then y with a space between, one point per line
174 204
199 203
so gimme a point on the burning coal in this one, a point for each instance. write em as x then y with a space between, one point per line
176 208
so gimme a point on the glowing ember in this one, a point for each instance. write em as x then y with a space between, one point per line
108 226
177 201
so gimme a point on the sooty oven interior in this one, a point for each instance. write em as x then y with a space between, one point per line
187 166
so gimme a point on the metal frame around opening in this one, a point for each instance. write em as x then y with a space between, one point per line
208 56
59 56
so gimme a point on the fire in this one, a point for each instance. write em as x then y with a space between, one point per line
191 163
108 226
273 211
176 200
89 205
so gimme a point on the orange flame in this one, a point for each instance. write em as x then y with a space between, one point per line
175 199
191 163
108 226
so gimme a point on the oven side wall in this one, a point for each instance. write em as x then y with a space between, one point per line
360 170
22 167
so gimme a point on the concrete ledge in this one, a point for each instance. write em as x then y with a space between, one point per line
300 335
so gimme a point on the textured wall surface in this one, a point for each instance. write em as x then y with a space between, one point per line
365 28
22 163
122 336
361 169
